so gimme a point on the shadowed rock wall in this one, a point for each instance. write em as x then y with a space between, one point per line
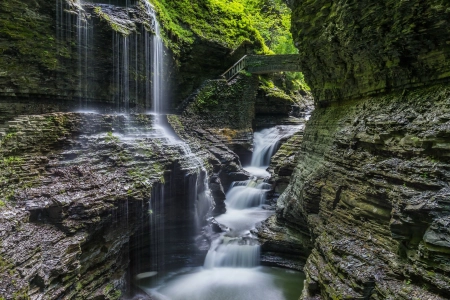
354 48
76 203
368 200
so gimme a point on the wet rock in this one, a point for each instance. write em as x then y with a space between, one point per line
76 200
370 207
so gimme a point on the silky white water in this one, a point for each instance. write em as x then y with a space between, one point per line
231 269
266 143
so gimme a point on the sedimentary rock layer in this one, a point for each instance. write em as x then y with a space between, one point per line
352 48
76 203
371 191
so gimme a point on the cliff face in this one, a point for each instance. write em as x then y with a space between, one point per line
353 48
78 205
369 196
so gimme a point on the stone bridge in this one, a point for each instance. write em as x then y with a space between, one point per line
262 64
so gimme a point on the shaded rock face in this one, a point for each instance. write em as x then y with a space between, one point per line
225 110
284 161
370 191
76 201
58 52
368 197
353 48
60 56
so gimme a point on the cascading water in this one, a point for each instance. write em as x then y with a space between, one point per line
266 143
84 41
133 78
157 63
231 268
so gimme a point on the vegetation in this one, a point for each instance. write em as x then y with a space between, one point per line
263 23
111 138
115 26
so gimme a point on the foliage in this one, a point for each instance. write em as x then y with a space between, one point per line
264 23
207 96
110 137
298 81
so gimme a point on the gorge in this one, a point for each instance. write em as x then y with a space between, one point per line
130 170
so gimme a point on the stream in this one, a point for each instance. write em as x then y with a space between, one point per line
231 268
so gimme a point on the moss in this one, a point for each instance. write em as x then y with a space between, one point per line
30 46
175 121
207 98
124 30
111 138
227 22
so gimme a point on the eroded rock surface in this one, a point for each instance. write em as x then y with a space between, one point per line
370 190
77 192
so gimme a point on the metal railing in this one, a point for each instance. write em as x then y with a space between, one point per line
235 69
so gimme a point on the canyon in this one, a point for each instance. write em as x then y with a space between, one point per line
103 181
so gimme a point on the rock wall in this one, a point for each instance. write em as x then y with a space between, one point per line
226 110
367 203
369 190
76 199
353 48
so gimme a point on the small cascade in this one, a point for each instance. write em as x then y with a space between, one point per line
247 194
266 143
233 252
231 268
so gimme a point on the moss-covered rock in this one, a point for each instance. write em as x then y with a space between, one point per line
354 48
76 197
369 191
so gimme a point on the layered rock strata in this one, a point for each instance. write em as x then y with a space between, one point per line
79 192
354 48
370 192
368 198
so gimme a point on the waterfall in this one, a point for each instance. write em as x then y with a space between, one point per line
133 80
84 42
247 194
157 63
244 201
266 143
233 252
231 268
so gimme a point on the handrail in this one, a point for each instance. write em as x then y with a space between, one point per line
235 69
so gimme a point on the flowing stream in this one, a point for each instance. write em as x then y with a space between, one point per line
232 269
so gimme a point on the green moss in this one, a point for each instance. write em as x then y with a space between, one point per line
29 34
124 30
111 138
175 121
207 97
227 22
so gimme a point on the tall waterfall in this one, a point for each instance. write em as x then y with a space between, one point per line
157 63
132 77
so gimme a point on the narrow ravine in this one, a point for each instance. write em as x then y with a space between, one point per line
232 269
